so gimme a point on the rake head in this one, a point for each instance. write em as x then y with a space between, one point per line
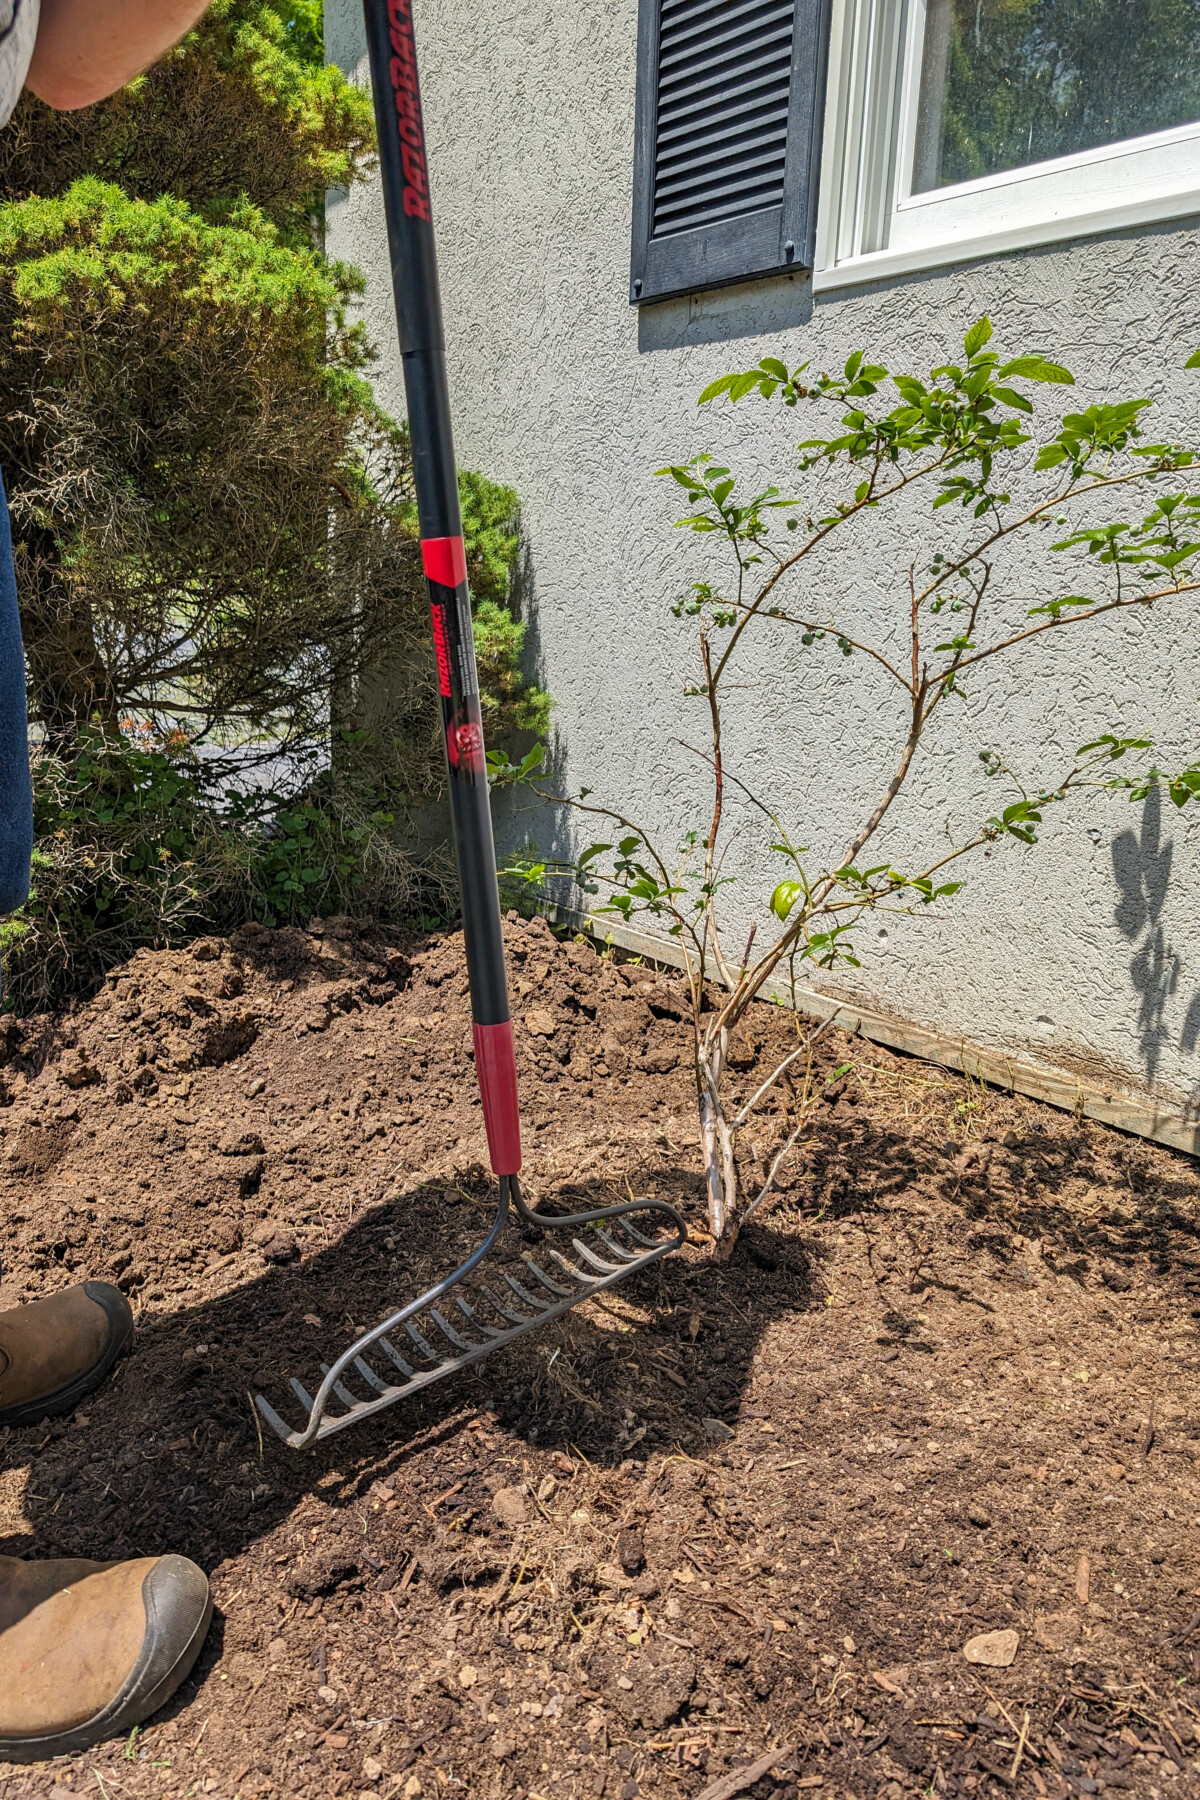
419 1344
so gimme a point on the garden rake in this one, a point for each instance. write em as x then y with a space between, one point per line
418 1344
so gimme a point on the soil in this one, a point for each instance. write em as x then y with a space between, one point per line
725 1529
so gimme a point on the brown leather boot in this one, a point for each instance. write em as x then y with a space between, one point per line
88 1650
53 1352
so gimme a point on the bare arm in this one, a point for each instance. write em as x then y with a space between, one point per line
87 49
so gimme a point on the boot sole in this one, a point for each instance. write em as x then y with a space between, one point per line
148 1687
51 1406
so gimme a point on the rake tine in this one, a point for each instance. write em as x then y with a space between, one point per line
583 1278
597 1262
637 1235
340 1389
540 1275
273 1419
540 1306
618 1250
389 1350
302 1394
448 1331
469 1312
423 1345
369 1376
505 1311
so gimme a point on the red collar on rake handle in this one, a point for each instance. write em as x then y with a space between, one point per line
444 560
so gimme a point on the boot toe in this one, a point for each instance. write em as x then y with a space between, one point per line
93 1649
115 1308
54 1351
178 1611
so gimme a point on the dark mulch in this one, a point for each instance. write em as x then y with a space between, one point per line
947 1387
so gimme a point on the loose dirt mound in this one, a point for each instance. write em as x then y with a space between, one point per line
740 1518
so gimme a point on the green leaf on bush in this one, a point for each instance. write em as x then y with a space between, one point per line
785 897
1036 368
978 336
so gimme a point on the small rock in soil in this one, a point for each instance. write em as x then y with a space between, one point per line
227 1237
508 1504
80 1074
992 1649
645 1692
277 1242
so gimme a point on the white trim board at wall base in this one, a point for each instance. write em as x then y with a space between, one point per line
1127 1112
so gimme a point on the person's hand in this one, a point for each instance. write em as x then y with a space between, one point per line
87 49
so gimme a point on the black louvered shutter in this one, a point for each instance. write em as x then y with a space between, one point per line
729 112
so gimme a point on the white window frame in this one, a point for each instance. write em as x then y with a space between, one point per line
870 224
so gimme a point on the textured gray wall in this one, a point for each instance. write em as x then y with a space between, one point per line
1083 953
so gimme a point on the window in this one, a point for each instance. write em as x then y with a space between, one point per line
728 135
955 128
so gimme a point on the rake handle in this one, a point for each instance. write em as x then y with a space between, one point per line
404 170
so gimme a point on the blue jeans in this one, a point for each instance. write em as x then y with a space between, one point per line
16 799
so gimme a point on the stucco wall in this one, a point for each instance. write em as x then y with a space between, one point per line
1084 952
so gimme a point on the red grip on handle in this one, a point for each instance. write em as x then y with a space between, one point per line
496 1068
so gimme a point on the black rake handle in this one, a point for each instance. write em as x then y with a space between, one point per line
404 168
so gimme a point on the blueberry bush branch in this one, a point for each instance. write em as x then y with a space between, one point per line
964 436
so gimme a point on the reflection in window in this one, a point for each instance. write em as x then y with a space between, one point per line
1005 83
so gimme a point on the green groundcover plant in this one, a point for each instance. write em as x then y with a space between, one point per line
142 843
1123 520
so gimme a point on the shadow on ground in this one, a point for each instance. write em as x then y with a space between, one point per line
171 1455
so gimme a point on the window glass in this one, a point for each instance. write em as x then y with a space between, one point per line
1005 83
